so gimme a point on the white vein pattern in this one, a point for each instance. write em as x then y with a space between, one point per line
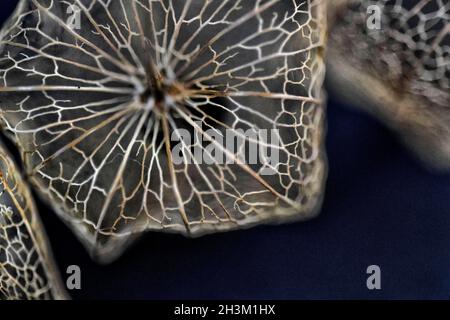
27 270
94 111
403 68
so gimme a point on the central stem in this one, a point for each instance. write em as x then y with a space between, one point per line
155 90
161 91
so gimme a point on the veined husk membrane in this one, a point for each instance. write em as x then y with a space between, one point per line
397 68
95 94
27 270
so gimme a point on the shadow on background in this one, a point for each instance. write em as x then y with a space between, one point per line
381 207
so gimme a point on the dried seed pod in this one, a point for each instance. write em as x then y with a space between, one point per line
99 97
27 270
392 58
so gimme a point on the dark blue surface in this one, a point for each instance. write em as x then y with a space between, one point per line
381 207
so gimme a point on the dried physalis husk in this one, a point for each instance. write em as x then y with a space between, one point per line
27 270
100 95
392 58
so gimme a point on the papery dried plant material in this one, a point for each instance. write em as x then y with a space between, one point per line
93 92
400 72
27 270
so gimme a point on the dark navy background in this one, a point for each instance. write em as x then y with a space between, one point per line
382 207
